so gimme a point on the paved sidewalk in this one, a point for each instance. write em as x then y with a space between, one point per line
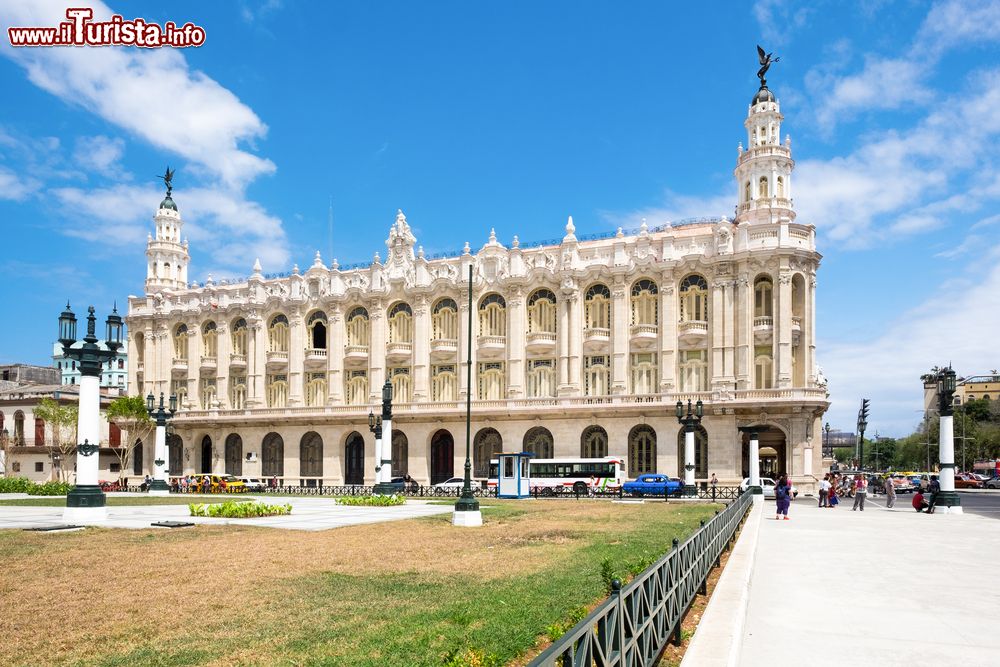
307 514
879 587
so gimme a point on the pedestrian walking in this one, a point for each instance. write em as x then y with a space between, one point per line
934 487
782 498
890 493
592 486
860 491
833 499
824 491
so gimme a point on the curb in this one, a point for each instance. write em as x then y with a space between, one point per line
718 639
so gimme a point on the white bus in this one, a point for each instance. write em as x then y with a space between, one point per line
551 476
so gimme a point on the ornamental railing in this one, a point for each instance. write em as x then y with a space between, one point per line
632 627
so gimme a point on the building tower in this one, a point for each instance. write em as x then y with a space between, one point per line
763 171
166 256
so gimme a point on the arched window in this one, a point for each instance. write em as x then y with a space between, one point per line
311 455
316 389
542 312
272 456
763 365
208 387
175 454
444 320
357 328
593 443
644 372
597 375
645 309
641 450
400 323
18 428
747 192
694 370
356 387
137 455
140 349
781 187
354 459
694 299
597 308
763 298
238 391
493 316
316 328
486 445
492 381
541 378
40 432
234 454
277 334
444 383
238 335
762 188
209 340
400 454
538 441
181 342
277 390
401 385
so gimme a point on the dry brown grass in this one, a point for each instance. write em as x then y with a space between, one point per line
163 585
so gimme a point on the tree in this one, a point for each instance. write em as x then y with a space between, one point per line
129 414
6 445
62 419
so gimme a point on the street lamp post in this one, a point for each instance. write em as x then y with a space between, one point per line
947 501
383 444
754 460
159 486
826 446
85 501
689 421
467 511
862 425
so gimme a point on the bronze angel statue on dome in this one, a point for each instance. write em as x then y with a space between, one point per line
167 179
765 63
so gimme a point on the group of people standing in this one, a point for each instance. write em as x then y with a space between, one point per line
833 486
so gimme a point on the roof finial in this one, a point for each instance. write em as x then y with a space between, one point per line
256 266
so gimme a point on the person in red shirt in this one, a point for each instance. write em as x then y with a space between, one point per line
919 503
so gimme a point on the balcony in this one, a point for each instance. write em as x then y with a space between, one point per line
763 329
238 361
796 328
208 363
179 365
277 357
643 336
596 339
693 332
399 352
540 342
315 357
444 349
355 355
492 347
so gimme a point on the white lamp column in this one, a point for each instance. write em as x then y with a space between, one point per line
947 500
754 461
689 421
161 414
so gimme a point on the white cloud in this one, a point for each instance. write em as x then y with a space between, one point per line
957 23
101 154
777 19
151 93
882 84
16 187
676 207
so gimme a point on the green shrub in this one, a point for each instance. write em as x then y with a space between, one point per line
471 657
50 489
372 501
232 509
15 484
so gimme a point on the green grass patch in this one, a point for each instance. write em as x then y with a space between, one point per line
233 509
112 501
371 501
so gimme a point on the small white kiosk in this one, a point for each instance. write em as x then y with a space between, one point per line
514 475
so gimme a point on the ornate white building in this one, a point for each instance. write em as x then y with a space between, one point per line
580 346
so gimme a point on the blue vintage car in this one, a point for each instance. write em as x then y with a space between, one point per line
652 484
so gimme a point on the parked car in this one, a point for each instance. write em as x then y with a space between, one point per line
901 484
254 484
993 483
768 485
451 484
967 481
652 484
233 484
408 482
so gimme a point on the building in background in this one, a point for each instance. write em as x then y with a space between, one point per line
978 387
114 375
13 375
581 346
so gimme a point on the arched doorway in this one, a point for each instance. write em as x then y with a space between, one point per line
641 450
700 452
442 457
175 455
486 445
234 455
137 458
354 457
593 443
538 441
310 458
772 453
272 453
206 454
400 454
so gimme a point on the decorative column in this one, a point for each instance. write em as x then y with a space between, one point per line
376 348
194 365
689 421
421 350
159 486
668 333
296 357
783 329
335 357
223 348
621 317
562 340
383 446
947 501
716 317
575 332
466 345
743 318
515 341
728 333
754 460
256 362
809 335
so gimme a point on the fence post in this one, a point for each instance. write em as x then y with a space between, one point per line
703 589
616 591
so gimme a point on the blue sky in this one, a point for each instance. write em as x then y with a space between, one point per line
513 115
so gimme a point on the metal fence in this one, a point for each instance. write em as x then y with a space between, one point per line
631 628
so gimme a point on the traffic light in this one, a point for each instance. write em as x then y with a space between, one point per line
863 414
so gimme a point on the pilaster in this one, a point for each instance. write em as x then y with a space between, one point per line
744 334
376 350
421 350
516 330
716 318
621 318
575 333
296 356
668 333
335 356
783 328
223 347
194 365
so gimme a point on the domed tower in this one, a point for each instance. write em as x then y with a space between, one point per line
764 169
166 256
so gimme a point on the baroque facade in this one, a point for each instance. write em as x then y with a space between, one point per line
580 346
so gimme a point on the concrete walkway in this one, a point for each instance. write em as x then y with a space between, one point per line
879 587
307 514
